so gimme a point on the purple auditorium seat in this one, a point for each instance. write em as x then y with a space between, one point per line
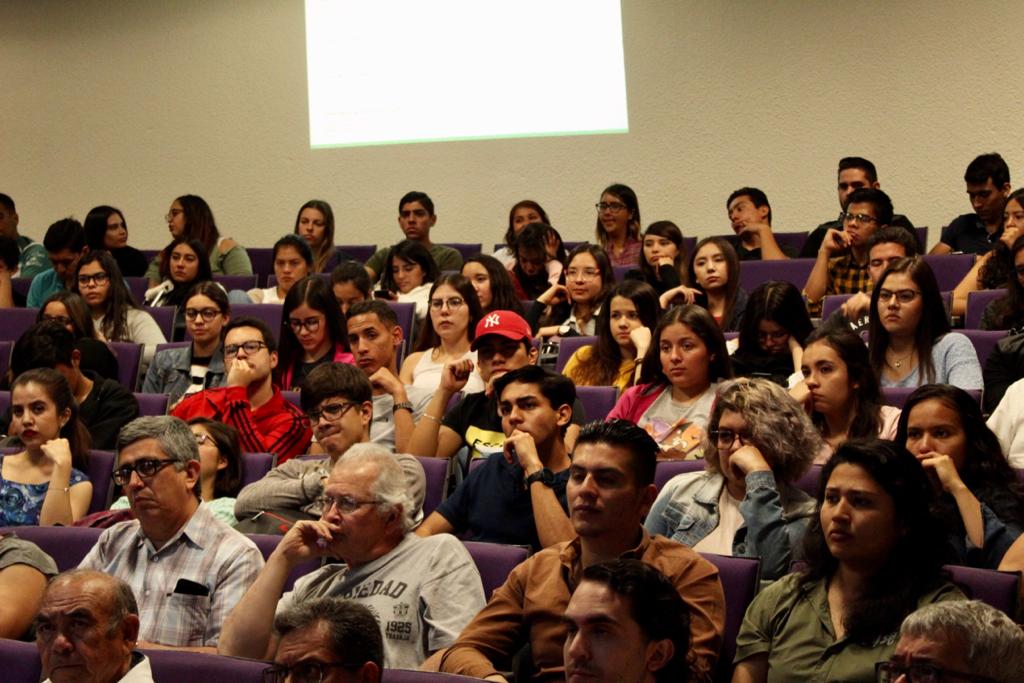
997 589
666 469
262 259
137 286
410 676
151 254
129 358
360 252
620 271
21 285
597 401
950 269
171 665
16 321
99 469
436 471
568 346
5 356
67 545
5 401
255 466
164 317
406 314
831 303
976 303
791 241
230 282
267 542
753 273
268 313
984 342
467 249
20 662
922 237
690 243
292 397
897 396
810 480
495 561
739 577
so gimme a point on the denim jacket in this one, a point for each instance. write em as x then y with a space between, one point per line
774 516
171 373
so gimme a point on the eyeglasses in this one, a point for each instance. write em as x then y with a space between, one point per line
614 207
146 467
858 218
904 296
345 504
303 672
724 438
250 347
207 314
582 273
201 439
62 319
452 302
97 279
332 411
888 672
172 214
311 324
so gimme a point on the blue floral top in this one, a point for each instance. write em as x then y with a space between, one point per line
20 503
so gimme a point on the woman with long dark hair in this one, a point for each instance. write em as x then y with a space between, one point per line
663 261
315 224
492 283
538 262
1007 312
571 309
773 332
997 267
618 225
182 266
409 273
106 228
313 332
715 275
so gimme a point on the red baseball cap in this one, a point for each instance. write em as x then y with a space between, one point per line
504 324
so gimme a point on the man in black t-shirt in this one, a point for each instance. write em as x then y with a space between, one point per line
988 185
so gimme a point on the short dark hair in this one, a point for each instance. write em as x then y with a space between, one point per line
354 635
863 164
622 434
298 244
334 379
375 307
557 389
757 197
354 272
416 196
67 233
987 166
9 252
7 202
44 345
878 199
655 605
895 234
249 321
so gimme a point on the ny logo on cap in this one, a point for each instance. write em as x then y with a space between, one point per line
492 320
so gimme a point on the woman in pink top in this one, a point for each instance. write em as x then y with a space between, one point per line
618 225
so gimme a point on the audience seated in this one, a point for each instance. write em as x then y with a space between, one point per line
996 268
570 309
32 259
190 217
182 371
623 336
87 630
65 245
249 401
375 337
24 573
70 310
416 217
107 230
618 225
873 555
715 272
625 621
315 224
773 332
518 496
338 401
750 216
988 183
293 260
854 173
522 214
425 590
677 385
409 272
187 567
104 406
492 283
745 503
663 261
1007 312
183 265
445 336
979 498
539 261
610 488
909 334
962 640
312 332
319 636
350 285
840 390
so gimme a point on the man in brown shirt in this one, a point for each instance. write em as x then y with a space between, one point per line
610 490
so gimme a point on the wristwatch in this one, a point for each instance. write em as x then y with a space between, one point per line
404 405
544 476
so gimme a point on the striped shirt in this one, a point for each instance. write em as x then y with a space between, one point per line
186 588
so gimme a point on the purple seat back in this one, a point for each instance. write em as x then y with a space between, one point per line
360 252
21 285
268 542
101 466
164 317
666 469
984 342
949 269
831 303
151 404
262 259
67 545
255 466
897 396
5 402
171 665
129 357
495 561
466 249
997 589
242 282
406 314
20 662
16 321
5 356
810 480
568 346
268 313
436 471
620 271
597 401
293 397
411 676
976 303
792 241
137 286
739 577
795 271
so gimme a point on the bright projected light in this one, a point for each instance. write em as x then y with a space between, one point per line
397 71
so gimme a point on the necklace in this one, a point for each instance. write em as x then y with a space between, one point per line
898 363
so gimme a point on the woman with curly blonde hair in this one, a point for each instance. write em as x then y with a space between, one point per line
759 441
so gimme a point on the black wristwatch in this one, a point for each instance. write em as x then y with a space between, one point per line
544 476
404 405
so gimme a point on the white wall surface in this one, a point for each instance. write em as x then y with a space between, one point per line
134 103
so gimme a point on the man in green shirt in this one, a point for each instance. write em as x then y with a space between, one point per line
416 217
32 258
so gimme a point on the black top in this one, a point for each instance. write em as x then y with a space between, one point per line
131 261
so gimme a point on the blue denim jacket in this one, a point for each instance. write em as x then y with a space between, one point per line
171 373
774 517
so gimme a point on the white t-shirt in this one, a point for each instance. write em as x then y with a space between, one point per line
719 541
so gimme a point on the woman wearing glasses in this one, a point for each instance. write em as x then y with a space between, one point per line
873 555
44 484
70 310
773 332
618 225
909 334
312 332
182 265
114 312
445 336
745 503
181 371
570 310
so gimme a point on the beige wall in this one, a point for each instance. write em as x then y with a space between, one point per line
133 103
